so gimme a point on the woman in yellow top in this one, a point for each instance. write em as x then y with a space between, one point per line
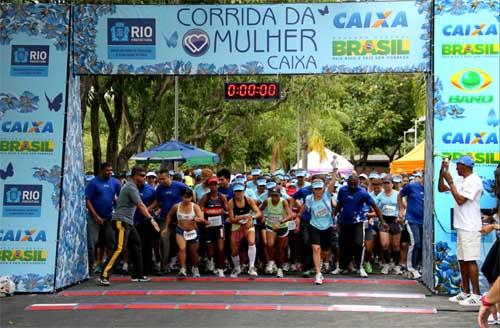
277 213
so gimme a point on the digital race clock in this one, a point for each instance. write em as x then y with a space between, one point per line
252 91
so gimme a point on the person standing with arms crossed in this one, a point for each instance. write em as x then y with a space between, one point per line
466 191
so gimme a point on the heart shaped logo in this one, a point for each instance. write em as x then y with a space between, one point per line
196 42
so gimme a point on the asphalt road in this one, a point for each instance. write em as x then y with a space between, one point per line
218 304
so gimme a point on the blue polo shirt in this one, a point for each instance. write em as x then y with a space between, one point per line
167 197
147 193
228 192
101 194
414 193
353 205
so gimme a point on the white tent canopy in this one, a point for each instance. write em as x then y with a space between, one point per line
315 166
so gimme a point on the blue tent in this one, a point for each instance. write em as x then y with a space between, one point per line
176 151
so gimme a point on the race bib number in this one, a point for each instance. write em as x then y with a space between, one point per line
190 235
292 225
215 221
273 220
242 219
389 210
322 212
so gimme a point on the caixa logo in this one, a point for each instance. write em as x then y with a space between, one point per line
386 19
131 31
470 30
470 138
27 127
22 235
30 55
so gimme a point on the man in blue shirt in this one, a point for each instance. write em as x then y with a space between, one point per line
225 188
352 205
100 194
144 228
414 193
168 193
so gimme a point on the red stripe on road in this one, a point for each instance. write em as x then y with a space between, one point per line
229 307
234 292
363 281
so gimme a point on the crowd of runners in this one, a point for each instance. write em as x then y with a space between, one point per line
254 223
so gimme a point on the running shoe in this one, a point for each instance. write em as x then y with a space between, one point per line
368 267
337 271
141 279
244 268
211 265
351 267
307 273
326 267
269 267
182 272
385 269
220 273
472 300
98 269
492 321
196 272
319 279
253 272
103 282
293 267
280 274
236 272
414 274
362 273
286 267
397 270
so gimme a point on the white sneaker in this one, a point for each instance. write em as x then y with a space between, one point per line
397 270
211 265
244 268
459 297
236 272
492 321
326 267
472 300
414 274
337 271
385 269
253 272
220 273
269 267
362 273
182 272
275 268
293 267
280 273
196 272
319 279
286 267
351 267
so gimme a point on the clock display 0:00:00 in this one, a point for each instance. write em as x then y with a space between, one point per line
251 90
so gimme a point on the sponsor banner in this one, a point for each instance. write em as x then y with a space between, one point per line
32 114
466 118
253 39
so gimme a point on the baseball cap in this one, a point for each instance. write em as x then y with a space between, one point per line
364 176
89 177
317 184
238 187
256 171
151 174
465 160
397 179
274 191
374 175
197 172
300 174
171 173
387 178
419 174
261 182
271 185
212 180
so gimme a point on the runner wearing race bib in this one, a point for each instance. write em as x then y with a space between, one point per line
214 205
240 210
390 226
277 214
186 232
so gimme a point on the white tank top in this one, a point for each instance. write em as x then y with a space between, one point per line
185 216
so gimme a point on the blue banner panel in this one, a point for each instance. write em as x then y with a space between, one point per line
34 44
466 116
252 39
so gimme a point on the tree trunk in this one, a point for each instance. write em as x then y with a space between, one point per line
85 87
114 121
94 128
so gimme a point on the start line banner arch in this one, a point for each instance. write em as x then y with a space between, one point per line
44 47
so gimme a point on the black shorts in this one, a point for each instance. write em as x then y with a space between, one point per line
390 225
280 233
212 234
405 236
321 237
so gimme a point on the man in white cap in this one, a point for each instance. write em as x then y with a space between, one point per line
152 179
466 191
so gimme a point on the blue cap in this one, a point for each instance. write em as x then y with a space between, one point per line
286 177
300 174
279 172
271 185
256 171
267 175
374 175
241 180
261 182
318 184
197 172
279 176
238 187
89 177
465 160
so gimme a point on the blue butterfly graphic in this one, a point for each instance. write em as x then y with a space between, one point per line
172 41
9 171
324 12
55 104
493 119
